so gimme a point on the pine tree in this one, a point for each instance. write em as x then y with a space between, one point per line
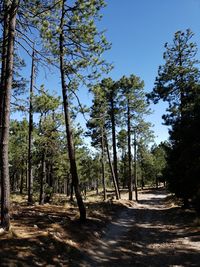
46 105
178 84
133 104
9 21
97 128
77 45
108 86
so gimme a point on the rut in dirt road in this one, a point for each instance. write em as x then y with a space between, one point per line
151 233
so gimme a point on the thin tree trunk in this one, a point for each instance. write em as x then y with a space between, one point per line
103 165
130 182
142 175
124 169
112 172
97 186
5 205
17 181
50 177
65 186
30 131
43 179
12 180
135 167
3 63
27 175
51 171
114 144
71 192
68 185
22 180
71 152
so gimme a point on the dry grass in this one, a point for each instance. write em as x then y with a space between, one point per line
51 234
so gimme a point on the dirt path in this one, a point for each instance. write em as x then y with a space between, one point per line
152 233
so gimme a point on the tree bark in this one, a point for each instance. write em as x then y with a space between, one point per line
5 181
3 63
51 172
22 179
97 186
43 179
30 131
135 167
71 151
2 92
130 182
114 144
71 192
103 165
112 173
68 185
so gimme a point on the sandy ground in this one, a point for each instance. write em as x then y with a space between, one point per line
151 233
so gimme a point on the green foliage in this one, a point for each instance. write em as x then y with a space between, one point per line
83 42
132 96
98 116
147 172
178 77
152 163
122 140
178 83
44 102
18 143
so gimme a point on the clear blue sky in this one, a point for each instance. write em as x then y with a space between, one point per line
138 30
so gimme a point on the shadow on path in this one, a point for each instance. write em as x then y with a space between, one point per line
150 234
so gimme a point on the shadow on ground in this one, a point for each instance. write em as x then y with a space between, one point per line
38 251
151 235
52 235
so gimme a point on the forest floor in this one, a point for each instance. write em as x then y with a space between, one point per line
153 232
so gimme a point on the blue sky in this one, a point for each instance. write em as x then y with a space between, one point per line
138 30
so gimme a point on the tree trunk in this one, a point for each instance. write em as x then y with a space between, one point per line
12 181
26 175
124 169
7 86
130 182
22 180
68 185
112 172
103 165
43 179
2 94
3 67
97 186
71 192
135 167
3 62
30 131
71 152
51 171
114 144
